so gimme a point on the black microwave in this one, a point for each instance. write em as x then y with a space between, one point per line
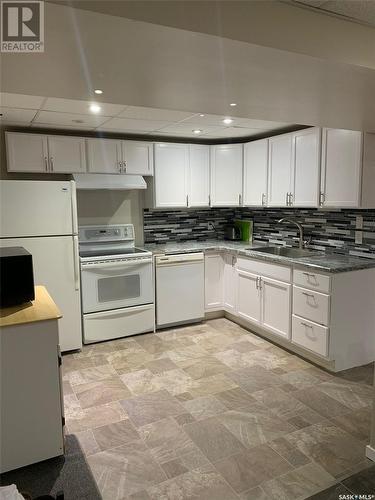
16 276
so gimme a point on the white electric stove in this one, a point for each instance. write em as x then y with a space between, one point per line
117 283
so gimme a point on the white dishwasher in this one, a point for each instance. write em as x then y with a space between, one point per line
179 288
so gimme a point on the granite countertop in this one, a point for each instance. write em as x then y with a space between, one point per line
319 261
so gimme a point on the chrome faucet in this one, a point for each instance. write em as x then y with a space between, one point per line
302 243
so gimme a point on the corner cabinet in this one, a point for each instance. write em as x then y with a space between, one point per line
226 175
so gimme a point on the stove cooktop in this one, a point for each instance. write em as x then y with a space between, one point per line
111 252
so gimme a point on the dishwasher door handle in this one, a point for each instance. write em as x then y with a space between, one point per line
192 258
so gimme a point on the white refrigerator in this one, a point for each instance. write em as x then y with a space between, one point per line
41 216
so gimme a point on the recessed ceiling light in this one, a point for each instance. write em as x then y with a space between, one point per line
201 114
94 108
233 104
197 131
98 91
227 121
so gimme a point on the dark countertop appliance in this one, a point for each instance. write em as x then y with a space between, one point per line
16 276
232 233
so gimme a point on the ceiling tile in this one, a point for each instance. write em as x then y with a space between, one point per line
234 132
81 107
143 113
214 120
17 115
188 127
263 124
20 101
126 124
69 119
82 127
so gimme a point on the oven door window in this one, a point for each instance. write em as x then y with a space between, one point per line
115 288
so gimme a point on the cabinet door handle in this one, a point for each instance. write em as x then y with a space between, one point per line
209 200
287 199
306 325
290 199
239 199
263 199
46 163
308 294
51 163
308 274
322 198
187 200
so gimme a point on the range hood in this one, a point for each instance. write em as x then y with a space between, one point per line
109 181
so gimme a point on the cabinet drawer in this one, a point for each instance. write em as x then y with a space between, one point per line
314 281
274 271
310 335
311 305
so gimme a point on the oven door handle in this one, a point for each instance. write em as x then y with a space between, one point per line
118 265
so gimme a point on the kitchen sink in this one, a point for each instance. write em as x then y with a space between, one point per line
286 252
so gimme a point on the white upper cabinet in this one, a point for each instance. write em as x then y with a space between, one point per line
48 154
255 173
137 157
199 176
341 168
226 175
26 152
171 175
104 156
306 168
67 154
280 170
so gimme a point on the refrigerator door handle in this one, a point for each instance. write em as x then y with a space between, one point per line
74 207
76 262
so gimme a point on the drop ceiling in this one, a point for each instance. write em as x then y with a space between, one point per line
58 113
362 11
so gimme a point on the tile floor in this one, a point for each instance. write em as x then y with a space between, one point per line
214 412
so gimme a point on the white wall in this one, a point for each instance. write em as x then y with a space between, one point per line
112 207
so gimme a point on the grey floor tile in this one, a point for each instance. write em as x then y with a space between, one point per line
125 470
213 439
116 434
101 392
235 398
148 408
320 402
198 484
332 493
298 483
204 407
254 378
250 468
96 416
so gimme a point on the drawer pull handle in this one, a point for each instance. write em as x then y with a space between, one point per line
309 274
306 325
308 294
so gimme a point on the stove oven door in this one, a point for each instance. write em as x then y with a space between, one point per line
116 284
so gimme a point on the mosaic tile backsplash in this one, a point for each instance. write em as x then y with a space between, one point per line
332 231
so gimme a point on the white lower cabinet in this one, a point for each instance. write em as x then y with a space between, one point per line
310 335
229 283
248 297
264 300
213 281
276 306
334 329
